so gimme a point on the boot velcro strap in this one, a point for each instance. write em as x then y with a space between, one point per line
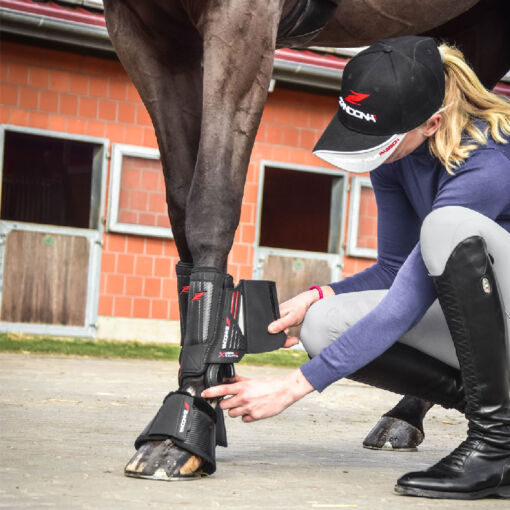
191 424
242 329
261 308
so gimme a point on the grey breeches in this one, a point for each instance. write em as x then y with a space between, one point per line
442 230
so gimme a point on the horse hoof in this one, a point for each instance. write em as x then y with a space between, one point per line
162 460
395 435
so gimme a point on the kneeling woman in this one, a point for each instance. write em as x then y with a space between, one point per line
436 143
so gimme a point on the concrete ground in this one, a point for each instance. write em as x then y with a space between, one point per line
68 425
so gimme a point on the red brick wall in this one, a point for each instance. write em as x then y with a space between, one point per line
142 193
367 228
62 91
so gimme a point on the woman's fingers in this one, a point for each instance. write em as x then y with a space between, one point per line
238 378
232 402
221 390
292 312
237 411
291 341
281 324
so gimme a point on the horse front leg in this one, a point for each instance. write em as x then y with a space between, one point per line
179 443
162 53
239 42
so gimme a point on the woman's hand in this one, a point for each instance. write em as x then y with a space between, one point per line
293 311
255 399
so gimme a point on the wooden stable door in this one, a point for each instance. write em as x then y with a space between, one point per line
50 231
294 274
45 278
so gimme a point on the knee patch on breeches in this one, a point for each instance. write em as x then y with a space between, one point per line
328 319
445 228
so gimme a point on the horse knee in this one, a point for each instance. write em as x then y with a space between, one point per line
442 230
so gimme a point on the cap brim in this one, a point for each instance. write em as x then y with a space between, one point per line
337 137
353 151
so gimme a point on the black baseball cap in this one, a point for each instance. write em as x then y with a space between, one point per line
388 89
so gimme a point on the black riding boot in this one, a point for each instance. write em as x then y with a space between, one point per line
183 271
407 371
480 466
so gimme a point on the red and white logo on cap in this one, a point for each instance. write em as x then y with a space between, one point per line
353 112
356 98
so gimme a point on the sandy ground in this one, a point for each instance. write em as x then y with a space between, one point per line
68 426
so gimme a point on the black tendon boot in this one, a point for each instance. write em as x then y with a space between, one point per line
480 466
183 272
223 324
206 301
185 417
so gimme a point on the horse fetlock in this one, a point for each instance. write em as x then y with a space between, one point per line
218 374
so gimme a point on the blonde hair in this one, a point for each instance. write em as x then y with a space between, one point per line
465 101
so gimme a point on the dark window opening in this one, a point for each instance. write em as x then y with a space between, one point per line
47 180
296 210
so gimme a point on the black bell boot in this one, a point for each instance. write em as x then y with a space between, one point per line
480 466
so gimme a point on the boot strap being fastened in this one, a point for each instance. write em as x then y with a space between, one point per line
249 310
190 422
241 329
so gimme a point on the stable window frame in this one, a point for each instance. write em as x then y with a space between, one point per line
335 253
114 225
99 165
94 234
353 250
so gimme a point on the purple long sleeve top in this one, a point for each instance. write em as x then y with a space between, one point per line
406 191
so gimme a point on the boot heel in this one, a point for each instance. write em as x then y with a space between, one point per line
504 492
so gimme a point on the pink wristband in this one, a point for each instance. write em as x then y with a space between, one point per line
319 290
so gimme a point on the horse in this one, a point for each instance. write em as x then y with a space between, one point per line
203 69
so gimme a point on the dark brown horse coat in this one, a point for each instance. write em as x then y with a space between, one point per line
203 67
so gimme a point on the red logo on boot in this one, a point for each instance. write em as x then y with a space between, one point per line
198 296
185 290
